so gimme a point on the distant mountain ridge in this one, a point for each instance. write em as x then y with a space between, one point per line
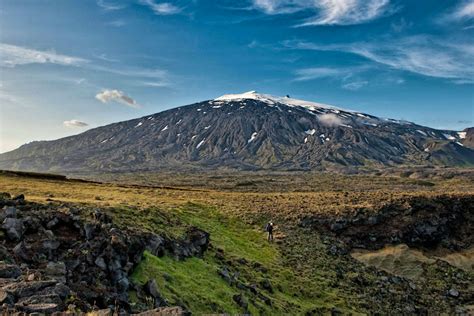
247 131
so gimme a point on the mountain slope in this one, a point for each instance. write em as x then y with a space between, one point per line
245 131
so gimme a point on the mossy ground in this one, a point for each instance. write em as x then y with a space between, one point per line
196 284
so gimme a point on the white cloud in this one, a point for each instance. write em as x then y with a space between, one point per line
104 57
117 23
421 54
155 84
328 12
132 72
464 11
346 75
8 98
253 44
320 72
330 120
162 8
107 95
109 6
75 123
12 56
355 85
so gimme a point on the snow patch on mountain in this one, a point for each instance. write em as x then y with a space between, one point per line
274 100
450 137
254 135
200 144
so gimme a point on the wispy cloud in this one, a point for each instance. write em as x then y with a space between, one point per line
320 72
117 23
155 84
328 12
75 123
104 57
106 96
355 85
151 76
347 76
109 5
253 44
161 8
8 98
464 11
12 56
421 54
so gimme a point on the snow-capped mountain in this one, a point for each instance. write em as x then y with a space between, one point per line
247 131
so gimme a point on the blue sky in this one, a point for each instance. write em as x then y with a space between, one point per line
67 66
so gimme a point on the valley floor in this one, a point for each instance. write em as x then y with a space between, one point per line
318 264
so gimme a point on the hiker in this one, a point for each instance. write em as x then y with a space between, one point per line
269 229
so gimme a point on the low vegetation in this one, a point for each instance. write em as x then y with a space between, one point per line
303 272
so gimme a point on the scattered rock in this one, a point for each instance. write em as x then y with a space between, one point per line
164 311
100 262
19 197
453 293
13 227
9 271
41 299
42 308
23 251
195 243
151 288
156 245
240 300
266 285
6 298
56 270
51 254
24 289
8 212
225 274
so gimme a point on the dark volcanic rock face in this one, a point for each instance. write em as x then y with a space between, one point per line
468 137
419 222
248 131
51 257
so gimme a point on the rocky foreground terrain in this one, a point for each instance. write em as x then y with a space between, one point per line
101 248
52 259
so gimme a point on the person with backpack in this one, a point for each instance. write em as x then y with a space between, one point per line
269 229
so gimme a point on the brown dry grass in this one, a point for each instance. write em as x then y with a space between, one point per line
334 194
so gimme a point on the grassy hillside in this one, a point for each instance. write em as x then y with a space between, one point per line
242 249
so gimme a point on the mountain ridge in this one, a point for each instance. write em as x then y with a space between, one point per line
248 131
